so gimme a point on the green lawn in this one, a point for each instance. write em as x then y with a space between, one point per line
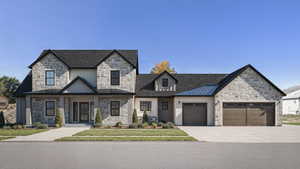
126 139
132 132
292 123
20 132
4 138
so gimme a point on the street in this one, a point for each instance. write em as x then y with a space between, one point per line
148 155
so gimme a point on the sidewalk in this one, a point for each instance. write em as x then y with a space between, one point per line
50 135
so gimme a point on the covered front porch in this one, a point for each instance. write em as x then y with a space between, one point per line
77 109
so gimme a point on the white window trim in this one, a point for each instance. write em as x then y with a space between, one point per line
45 107
45 79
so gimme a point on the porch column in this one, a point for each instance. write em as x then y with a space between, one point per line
61 105
28 110
96 105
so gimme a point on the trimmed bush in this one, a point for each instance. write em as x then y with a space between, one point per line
165 126
160 124
145 125
145 117
140 125
6 127
2 120
58 119
133 126
97 125
119 124
135 117
154 125
170 125
40 125
98 118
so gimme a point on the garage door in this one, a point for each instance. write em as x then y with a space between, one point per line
248 114
195 114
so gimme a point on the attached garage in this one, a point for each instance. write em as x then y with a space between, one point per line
248 114
194 114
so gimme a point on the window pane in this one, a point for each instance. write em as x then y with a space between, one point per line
115 77
50 81
145 105
50 77
50 74
115 108
50 108
164 106
165 82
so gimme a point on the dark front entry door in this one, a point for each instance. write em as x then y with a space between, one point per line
84 112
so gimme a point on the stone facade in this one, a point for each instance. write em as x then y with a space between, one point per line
247 87
126 110
49 62
38 110
171 81
127 74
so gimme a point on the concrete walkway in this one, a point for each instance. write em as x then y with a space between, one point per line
50 135
263 134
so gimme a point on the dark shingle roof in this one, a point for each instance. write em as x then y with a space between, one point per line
186 82
88 58
25 86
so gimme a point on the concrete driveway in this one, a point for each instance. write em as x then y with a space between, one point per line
284 134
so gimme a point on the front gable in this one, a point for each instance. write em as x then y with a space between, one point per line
249 85
158 82
78 85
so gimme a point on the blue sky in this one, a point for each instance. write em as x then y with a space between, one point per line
196 36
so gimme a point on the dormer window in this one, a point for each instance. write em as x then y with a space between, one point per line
50 77
115 77
165 82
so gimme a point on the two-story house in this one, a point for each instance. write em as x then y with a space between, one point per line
76 83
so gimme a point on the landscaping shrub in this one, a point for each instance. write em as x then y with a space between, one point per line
170 125
98 118
40 125
145 125
135 117
166 126
17 126
97 125
6 127
133 126
140 125
2 120
118 124
160 124
145 117
154 125
58 119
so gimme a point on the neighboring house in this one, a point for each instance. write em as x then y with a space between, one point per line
3 102
76 83
291 102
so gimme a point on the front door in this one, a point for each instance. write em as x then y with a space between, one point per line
84 112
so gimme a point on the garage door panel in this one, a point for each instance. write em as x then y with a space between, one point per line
195 114
234 117
250 114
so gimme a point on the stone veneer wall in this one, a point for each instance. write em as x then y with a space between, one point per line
127 74
247 87
126 110
38 113
49 62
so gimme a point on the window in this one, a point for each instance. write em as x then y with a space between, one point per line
164 106
115 77
115 108
165 82
145 106
50 108
50 77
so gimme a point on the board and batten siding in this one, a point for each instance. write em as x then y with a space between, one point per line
90 75
178 108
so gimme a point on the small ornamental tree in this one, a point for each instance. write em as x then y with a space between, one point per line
145 117
135 117
2 120
58 119
98 118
